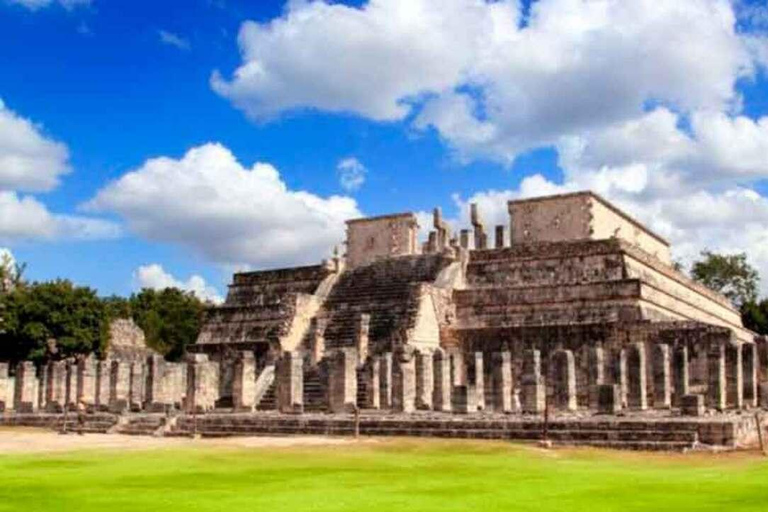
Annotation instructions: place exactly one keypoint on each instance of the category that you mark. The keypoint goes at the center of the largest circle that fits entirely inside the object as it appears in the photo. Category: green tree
(754, 316)
(170, 318)
(729, 274)
(71, 315)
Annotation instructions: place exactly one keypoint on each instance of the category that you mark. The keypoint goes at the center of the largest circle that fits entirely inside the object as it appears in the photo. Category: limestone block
(71, 385)
(289, 382)
(86, 382)
(734, 377)
(25, 394)
(441, 395)
(4, 378)
(595, 373)
(662, 378)
(404, 381)
(464, 399)
(103, 377)
(620, 377)
(501, 381)
(464, 238)
(750, 360)
(342, 380)
(499, 236)
(385, 380)
(533, 389)
(681, 375)
(637, 388)
(155, 392)
(425, 379)
(42, 387)
(563, 379)
(608, 398)
(458, 369)
(716, 377)
(362, 329)
(476, 378)
(692, 405)
(56, 382)
(119, 386)
(372, 385)
(202, 383)
(244, 383)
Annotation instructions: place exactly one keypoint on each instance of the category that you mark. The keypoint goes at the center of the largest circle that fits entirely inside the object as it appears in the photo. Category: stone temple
(570, 322)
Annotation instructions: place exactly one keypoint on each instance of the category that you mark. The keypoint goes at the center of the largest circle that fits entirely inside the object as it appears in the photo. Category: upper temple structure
(572, 307)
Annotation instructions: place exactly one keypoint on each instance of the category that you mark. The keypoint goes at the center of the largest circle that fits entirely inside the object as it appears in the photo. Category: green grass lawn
(386, 475)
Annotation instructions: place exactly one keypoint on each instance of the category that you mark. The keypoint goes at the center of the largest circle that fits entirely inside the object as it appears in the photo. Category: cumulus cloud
(234, 215)
(171, 39)
(34, 5)
(351, 173)
(29, 160)
(155, 277)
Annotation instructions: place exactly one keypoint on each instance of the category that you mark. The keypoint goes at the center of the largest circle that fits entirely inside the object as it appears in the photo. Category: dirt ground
(31, 440)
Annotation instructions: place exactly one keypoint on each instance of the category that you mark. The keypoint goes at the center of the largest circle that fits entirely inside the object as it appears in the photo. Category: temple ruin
(568, 322)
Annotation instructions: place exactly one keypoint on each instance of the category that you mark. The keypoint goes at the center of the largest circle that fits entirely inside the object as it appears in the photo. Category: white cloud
(351, 173)
(24, 218)
(34, 5)
(172, 39)
(232, 214)
(29, 161)
(155, 277)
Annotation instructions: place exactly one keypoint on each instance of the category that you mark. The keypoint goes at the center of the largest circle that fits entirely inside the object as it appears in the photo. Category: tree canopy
(729, 274)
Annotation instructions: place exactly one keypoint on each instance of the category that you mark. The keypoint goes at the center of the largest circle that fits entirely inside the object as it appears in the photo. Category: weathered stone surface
(637, 371)
(595, 373)
(502, 382)
(56, 381)
(86, 382)
(716, 383)
(608, 398)
(620, 376)
(441, 397)
(734, 377)
(137, 385)
(25, 395)
(244, 384)
(4, 378)
(533, 389)
(563, 379)
(425, 379)
(385, 380)
(692, 405)
(362, 331)
(71, 385)
(103, 389)
(464, 399)
(662, 378)
(119, 386)
(202, 383)
(289, 381)
(372, 384)
(750, 361)
(342, 375)
(681, 374)
(404, 381)
(476, 378)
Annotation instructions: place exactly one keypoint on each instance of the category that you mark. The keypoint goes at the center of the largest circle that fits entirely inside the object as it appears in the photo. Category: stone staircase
(314, 393)
(142, 425)
(98, 423)
(630, 435)
(268, 401)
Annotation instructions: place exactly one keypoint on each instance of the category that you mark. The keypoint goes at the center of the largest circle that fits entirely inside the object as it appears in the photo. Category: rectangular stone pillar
(362, 329)
(42, 388)
(464, 238)
(4, 378)
(372, 384)
(532, 385)
(662, 378)
(385, 380)
(637, 372)
(404, 381)
(595, 373)
(501, 381)
(155, 392)
(441, 395)
(86, 382)
(103, 377)
(681, 375)
(464, 399)
(716, 377)
(620, 375)
(289, 382)
(71, 385)
(56, 382)
(137, 384)
(244, 383)
(458, 369)
(425, 380)
(563, 380)
(499, 237)
(734, 377)
(608, 399)
(25, 388)
(692, 405)
(175, 383)
(476, 378)
(119, 386)
(202, 383)
(749, 359)
(342, 380)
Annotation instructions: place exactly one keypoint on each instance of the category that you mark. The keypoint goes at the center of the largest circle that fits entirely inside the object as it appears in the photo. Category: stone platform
(647, 431)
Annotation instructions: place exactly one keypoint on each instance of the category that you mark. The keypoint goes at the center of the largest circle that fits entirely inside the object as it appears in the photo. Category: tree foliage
(71, 315)
(729, 274)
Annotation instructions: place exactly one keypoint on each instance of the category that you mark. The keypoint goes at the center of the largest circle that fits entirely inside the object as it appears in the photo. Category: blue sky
(430, 108)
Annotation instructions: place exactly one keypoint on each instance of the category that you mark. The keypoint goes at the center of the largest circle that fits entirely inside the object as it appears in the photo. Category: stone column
(86, 382)
(458, 369)
(71, 385)
(464, 399)
(476, 378)
(244, 383)
(372, 384)
(441, 396)
(716, 377)
(464, 238)
(681, 378)
(155, 393)
(175, 383)
(56, 380)
(385, 380)
(342, 381)
(119, 386)
(138, 381)
(620, 375)
(531, 382)
(501, 379)
(318, 340)
(4, 378)
(42, 389)
(25, 387)
(362, 329)
(202, 383)
(289, 382)
(563, 379)
(103, 377)
(425, 380)
(749, 359)
(595, 373)
(734, 377)
(499, 237)
(637, 396)
(404, 381)
(608, 398)
(662, 379)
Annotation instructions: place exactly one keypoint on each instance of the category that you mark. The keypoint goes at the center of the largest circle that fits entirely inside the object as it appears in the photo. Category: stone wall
(375, 238)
